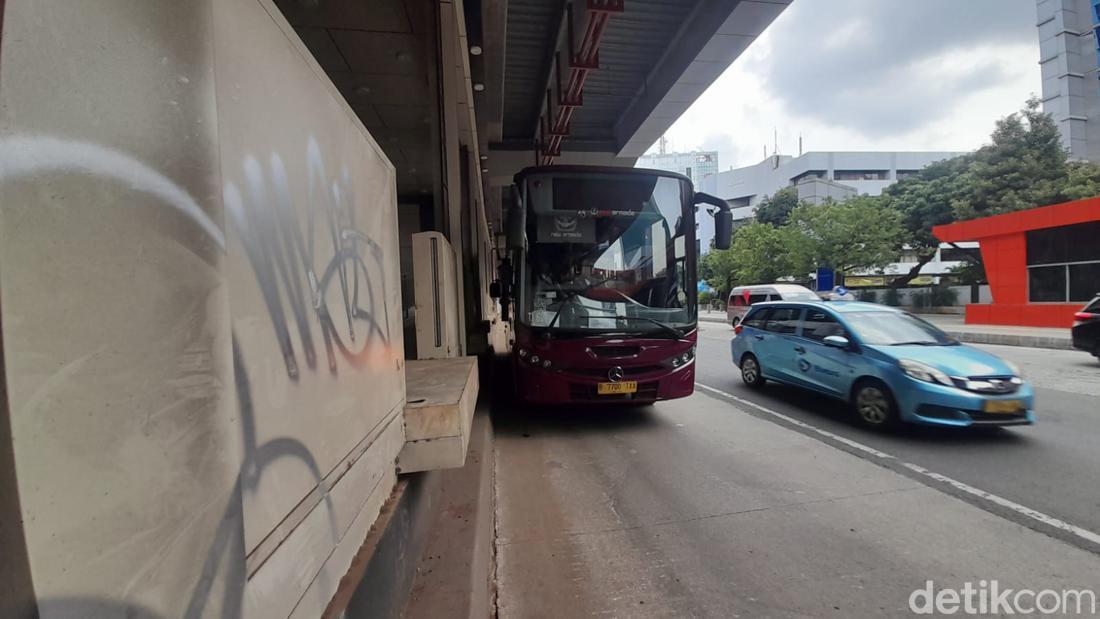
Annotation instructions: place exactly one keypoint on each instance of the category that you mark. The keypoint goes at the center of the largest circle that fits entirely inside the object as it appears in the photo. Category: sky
(869, 75)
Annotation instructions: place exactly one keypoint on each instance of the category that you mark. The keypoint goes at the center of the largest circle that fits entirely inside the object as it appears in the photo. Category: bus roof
(600, 169)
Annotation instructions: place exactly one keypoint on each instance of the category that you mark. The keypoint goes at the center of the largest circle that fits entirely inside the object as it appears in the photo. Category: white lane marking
(791, 420)
(1023, 510)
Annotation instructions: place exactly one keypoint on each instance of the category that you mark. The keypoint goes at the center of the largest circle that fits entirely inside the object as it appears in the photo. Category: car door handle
(800, 350)
(759, 337)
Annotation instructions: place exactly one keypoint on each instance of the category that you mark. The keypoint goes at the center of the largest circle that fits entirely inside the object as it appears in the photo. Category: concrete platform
(454, 574)
(440, 398)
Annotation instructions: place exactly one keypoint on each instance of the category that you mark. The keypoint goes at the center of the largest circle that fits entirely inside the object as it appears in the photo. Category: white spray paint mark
(28, 156)
(1022, 510)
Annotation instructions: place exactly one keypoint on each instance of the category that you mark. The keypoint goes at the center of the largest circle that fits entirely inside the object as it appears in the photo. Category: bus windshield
(608, 252)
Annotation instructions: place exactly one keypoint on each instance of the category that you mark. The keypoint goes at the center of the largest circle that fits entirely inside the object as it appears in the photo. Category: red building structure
(1042, 264)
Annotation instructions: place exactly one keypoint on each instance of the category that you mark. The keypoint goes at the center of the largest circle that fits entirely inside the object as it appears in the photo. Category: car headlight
(925, 372)
(1015, 368)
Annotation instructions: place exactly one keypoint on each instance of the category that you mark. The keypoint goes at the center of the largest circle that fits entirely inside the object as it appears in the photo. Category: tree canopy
(861, 233)
(776, 208)
(1023, 166)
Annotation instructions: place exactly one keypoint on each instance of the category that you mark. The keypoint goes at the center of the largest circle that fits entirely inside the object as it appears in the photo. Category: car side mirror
(836, 341)
(494, 290)
(723, 219)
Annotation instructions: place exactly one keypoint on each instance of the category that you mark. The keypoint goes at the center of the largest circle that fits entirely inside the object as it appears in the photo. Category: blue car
(888, 364)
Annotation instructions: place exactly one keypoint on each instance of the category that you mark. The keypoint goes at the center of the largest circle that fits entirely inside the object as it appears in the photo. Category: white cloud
(870, 75)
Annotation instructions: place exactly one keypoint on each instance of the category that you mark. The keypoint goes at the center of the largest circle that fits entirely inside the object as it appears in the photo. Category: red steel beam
(554, 126)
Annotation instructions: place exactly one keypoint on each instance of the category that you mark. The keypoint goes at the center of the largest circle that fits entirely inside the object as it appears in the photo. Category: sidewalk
(1031, 337)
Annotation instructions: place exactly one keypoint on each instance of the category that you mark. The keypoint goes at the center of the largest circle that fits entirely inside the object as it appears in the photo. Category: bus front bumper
(540, 386)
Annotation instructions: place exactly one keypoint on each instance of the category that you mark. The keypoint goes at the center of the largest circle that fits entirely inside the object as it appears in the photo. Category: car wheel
(874, 404)
(750, 371)
(736, 321)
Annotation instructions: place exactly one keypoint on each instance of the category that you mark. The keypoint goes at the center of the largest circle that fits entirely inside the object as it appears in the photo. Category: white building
(820, 176)
(1068, 44)
(695, 165)
(858, 173)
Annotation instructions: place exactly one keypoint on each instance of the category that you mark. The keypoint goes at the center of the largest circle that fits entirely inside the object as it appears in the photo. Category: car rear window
(1093, 307)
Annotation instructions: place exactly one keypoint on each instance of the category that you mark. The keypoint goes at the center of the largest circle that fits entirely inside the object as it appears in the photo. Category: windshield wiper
(918, 343)
(678, 334)
(566, 301)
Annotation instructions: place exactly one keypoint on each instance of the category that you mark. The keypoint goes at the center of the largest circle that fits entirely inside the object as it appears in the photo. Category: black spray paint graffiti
(284, 261)
(279, 253)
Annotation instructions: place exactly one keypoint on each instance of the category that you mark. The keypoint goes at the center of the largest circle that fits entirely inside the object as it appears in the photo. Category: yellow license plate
(1002, 406)
(629, 386)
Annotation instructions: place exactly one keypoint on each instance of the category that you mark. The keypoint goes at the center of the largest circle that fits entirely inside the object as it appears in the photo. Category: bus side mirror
(723, 219)
(723, 229)
(516, 228)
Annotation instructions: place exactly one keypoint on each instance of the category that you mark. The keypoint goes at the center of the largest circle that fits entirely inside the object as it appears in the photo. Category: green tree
(1025, 166)
(861, 233)
(776, 208)
(1082, 180)
(925, 200)
(716, 269)
(756, 256)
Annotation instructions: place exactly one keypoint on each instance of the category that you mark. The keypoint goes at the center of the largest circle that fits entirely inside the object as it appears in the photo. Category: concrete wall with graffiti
(200, 310)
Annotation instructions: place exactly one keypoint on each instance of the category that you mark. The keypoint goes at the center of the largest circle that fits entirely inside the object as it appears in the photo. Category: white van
(742, 297)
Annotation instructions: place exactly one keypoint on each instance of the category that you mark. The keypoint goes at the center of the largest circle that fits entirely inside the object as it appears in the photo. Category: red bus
(604, 266)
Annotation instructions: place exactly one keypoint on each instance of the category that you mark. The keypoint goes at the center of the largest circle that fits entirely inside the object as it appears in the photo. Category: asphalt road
(706, 507)
(1052, 466)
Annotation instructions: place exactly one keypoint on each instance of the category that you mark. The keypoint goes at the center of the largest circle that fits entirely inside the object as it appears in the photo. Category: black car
(1086, 328)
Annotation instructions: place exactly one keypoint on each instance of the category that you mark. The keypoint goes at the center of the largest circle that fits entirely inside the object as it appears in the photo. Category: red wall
(1004, 251)
(1005, 260)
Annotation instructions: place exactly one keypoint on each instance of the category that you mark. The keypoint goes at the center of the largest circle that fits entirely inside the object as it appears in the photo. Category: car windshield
(896, 329)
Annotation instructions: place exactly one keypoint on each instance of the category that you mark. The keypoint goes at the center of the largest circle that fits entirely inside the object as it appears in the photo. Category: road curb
(1009, 339)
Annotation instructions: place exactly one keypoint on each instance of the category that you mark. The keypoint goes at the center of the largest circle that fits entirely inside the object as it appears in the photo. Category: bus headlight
(535, 359)
(682, 358)
(522, 353)
(546, 364)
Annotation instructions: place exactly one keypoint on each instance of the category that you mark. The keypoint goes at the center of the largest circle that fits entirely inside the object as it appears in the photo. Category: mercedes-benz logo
(615, 374)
